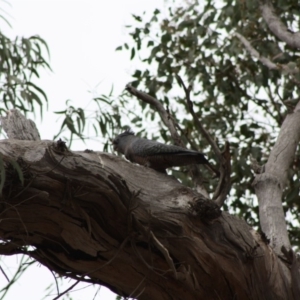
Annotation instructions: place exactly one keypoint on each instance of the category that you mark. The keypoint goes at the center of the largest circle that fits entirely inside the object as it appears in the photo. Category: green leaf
(137, 18)
(39, 39)
(38, 89)
(132, 53)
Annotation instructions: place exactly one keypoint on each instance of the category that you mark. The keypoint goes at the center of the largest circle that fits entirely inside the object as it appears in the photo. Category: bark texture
(18, 127)
(97, 218)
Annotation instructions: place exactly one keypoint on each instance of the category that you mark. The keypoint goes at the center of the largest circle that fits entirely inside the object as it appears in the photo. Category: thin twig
(23, 266)
(2, 271)
(198, 124)
(165, 252)
(67, 290)
(223, 187)
(98, 290)
(55, 279)
(165, 116)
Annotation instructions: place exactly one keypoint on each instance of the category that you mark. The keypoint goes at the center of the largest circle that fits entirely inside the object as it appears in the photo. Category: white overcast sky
(82, 36)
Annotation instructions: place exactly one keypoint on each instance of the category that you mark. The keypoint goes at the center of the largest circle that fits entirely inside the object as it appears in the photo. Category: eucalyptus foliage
(21, 59)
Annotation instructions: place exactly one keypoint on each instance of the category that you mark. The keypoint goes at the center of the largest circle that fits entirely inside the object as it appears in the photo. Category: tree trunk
(95, 217)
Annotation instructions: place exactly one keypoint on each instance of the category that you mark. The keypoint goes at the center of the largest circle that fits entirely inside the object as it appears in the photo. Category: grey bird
(153, 154)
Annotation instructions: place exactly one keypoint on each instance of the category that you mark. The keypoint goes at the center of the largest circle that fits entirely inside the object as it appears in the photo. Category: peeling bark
(95, 217)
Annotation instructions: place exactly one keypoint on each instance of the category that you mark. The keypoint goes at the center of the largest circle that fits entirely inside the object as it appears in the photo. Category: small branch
(24, 264)
(2, 271)
(277, 27)
(165, 116)
(56, 283)
(165, 253)
(290, 69)
(67, 290)
(198, 124)
(224, 158)
(18, 127)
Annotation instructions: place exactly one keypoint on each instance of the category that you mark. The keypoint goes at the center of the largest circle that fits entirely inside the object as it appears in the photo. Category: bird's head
(119, 142)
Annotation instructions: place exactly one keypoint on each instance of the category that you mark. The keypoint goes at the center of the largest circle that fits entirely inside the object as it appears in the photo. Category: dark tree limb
(66, 291)
(224, 183)
(203, 251)
(165, 116)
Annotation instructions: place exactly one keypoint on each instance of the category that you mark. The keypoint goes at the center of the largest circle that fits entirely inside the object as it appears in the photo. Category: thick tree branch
(277, 27)
(77, 212)
(269, 185)
(96, 218)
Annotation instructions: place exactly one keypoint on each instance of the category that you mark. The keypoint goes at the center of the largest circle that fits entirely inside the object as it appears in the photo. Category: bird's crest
(128, 131)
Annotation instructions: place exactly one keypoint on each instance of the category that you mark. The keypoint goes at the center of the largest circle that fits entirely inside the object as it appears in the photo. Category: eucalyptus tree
(222, 77)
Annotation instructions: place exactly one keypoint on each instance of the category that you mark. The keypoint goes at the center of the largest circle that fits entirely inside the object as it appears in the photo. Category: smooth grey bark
(277, 27)
(269, 185)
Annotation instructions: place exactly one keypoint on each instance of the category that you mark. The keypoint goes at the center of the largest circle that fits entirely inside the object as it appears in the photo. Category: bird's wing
(144, 147)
